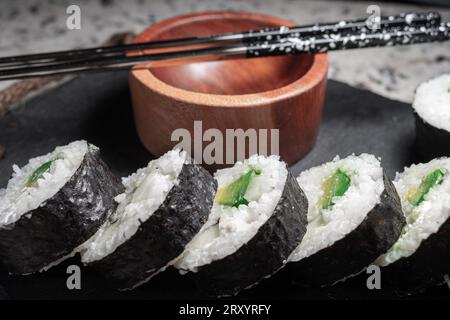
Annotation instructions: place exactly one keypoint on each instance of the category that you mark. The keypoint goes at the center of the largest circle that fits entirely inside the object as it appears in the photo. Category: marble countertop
(35, 25)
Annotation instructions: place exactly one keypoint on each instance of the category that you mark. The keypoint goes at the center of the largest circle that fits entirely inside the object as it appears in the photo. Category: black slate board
(98, 108)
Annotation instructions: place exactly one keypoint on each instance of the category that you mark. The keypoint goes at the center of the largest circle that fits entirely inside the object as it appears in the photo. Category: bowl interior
(231, 77)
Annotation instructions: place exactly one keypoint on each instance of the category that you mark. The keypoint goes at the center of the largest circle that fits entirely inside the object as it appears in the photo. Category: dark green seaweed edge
(424, 268)
(265, 254)
(64, 221)
(164, 235)
(350, 255)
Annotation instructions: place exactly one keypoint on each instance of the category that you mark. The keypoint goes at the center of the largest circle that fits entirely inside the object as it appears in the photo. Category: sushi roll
(52, 205)
(421, 256)
(163, 207)
(354, 216)
(258, 219)
(432, 116)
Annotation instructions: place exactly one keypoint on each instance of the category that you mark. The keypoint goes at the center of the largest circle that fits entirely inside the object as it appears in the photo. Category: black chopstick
(287, 46)
(333, 42)
(427, 19)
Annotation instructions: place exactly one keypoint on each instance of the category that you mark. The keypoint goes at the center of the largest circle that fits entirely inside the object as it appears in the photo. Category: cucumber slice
(417, 195)
(233, 194)
(38, 173)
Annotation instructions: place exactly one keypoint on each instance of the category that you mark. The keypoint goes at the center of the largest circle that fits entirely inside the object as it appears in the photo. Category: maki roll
(432, 114)
(52, 205)
(421, 256)
(258, 218)
(354, 216)
(163, 207)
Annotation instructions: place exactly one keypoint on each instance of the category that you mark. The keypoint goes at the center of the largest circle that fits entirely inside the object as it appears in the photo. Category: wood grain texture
(285, 93)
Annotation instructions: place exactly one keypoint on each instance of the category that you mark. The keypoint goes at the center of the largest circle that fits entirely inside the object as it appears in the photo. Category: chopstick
(427, 19)
(288, 46)
(284, 46)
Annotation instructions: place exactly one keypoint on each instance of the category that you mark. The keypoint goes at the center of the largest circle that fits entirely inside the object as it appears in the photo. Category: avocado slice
(334, 186)
(417, 195)
(233, 194)
(39, 172)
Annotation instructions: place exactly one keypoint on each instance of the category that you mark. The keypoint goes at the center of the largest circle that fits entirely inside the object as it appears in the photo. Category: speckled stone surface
(34, 25)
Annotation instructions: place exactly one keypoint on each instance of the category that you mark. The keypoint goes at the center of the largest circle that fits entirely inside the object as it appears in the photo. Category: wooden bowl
(284, 93)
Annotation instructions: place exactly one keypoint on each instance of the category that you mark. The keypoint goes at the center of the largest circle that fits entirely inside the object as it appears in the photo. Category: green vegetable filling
(233, 194)
(39, 172)
(416, 195)
(334, 186)
(448, 90)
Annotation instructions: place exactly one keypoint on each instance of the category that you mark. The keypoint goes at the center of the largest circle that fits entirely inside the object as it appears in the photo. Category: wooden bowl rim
(309, 80)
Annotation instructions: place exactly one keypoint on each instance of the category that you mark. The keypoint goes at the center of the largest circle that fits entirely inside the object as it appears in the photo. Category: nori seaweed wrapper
(266, 253)
(64, 221)
(431, 142)
(350, 255)
(425, 267)
(164, 235)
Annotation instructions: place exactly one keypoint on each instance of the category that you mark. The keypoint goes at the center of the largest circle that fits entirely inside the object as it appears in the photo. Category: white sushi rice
(326, 226)
(18, 199)
(145, 191)
(432, 102)
(426, 218)
(229, 228)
